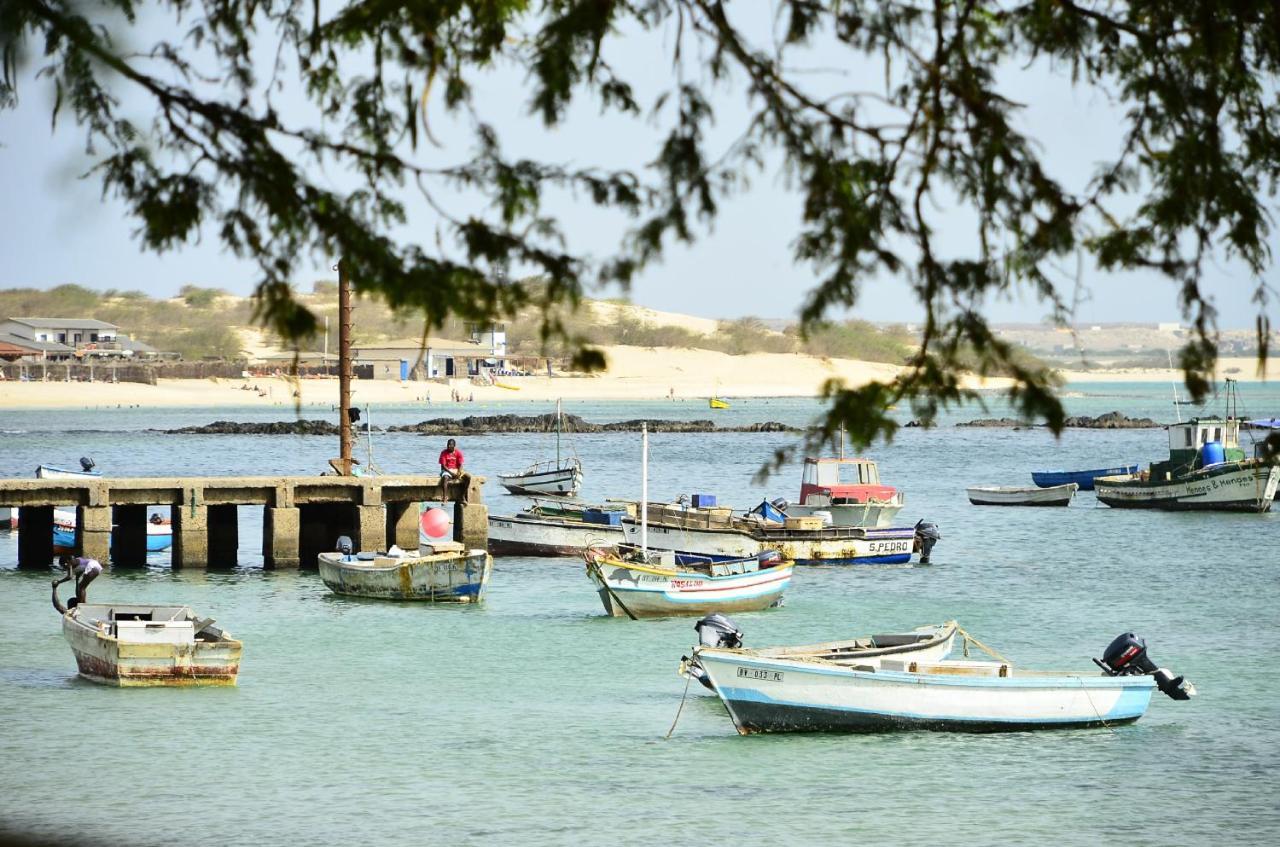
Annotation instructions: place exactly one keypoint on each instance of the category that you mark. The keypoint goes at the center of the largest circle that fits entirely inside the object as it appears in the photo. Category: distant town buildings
(64, 339)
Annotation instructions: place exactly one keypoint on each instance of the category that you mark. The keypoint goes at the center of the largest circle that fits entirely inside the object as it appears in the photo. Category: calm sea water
(535, 720)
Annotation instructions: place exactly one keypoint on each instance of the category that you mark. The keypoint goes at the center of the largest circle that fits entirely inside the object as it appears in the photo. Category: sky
(56, 227)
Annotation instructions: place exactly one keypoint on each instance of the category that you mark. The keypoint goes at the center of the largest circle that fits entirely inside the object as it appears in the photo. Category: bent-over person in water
(81, 569)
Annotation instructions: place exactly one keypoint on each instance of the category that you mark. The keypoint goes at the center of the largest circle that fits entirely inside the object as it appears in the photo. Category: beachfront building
(17, 348)
(80, 334)
(484, 356)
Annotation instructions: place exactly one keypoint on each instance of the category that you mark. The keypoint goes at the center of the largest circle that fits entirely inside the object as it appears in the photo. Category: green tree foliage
(879, 170)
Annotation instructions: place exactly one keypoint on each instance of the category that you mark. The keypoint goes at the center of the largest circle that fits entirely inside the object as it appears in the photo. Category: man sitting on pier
(451, 467)
(81, 569)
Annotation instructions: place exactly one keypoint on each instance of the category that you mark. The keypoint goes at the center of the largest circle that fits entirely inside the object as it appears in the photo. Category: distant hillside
(205, 322)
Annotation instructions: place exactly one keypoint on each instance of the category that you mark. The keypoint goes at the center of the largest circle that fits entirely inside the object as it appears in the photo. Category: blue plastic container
(1212, 453)
(600, 516)
(704, 501)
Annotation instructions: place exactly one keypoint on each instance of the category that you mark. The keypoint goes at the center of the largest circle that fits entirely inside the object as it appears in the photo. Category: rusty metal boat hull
(173, 656)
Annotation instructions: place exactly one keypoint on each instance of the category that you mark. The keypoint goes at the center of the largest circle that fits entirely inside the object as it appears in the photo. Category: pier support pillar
(224, 535)
(372, 528)
(93, 532)
(129, 537)
(402, 525)
(190, 535)
(280, 532)
(35, 536)
(471, 525)
(321, 525)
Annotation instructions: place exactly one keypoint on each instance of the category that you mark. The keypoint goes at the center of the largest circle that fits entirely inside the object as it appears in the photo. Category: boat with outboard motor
(923, 644)
(1206, 471)
(55, 472)
(159, 532)
(442, 572)
(696, 534)
(766, 693)
(136, 645)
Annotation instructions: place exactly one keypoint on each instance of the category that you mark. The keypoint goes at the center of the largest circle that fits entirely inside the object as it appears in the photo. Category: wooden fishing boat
(526, 534)
(159, 535)
(1206, 471)
(653, 586)
(563, 477)
(924, 644)
(144, 645)
(1083, 479)
(790, 693)
(444, 572)
(1014, 495)
(55, 472)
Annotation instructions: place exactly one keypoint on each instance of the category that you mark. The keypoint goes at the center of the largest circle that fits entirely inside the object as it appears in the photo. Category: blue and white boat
(56, 472)
(766, 693)
(159, 535)
(650, 585)
(1084, 479)
(445, 572)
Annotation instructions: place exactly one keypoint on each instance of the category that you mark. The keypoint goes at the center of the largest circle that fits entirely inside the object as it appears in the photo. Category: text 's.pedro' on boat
(442, 572)
(770, 691)
(132, 645)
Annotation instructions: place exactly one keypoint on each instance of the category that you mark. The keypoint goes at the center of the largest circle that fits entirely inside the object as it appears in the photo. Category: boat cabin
(1199, 443)
(835, 481)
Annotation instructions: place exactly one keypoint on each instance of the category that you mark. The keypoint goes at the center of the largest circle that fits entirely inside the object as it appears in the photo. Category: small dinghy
(923, 644)
(562, 478)
(810, 694)
(55, 472)
(1013, 495)
(633, 584)
(1084, 479)
(141, 645)
(444, 572)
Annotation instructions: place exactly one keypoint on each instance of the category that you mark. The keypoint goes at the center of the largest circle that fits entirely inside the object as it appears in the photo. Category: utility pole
(344, 365)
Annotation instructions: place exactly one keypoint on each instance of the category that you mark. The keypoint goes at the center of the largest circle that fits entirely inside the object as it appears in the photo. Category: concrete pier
(302, 516)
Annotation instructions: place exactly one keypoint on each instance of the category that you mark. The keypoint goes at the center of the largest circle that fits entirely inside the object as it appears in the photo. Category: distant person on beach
(83, 571)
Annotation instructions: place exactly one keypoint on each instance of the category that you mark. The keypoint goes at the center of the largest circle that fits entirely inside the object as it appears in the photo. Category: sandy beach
(634, 373)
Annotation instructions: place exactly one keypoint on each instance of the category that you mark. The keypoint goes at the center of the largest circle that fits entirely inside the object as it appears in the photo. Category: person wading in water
(83, 571)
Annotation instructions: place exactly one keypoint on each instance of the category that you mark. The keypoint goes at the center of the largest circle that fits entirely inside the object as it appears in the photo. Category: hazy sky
(56, 228)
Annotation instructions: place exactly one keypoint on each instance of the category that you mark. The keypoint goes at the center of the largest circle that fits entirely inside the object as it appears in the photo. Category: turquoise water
(534, 719)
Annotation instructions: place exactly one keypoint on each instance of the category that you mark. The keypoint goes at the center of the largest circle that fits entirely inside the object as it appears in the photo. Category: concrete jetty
(302, 515)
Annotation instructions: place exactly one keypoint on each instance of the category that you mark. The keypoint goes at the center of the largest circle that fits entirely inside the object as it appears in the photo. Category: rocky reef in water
(1107, 420)
(480, 425)
(477, 425)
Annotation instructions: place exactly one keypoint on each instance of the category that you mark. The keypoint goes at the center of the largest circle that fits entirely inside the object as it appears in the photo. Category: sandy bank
(634, 373)
(1244, 369)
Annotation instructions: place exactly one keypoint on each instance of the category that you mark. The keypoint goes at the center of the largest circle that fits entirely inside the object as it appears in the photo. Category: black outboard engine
(1127, 656)
(927, 535)
(715, 630)
(86, 464)
(344, 545)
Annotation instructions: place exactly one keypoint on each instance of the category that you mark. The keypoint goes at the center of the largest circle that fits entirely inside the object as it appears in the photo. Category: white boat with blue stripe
(634, 585)
(778, 694)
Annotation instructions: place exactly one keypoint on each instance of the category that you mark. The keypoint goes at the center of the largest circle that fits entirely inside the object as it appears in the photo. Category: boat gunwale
(945, 631)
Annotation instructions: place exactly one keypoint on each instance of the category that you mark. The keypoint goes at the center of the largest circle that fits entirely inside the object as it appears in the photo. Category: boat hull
(562, 482)
(521, 535)
(789, 696)
(159, 536)
(1055, 496)
(54, 472)
(831, 546)
(648, 592)
(1084, 479)
(869, 514)
(1249, 488)
(437, 578)
(107, 660)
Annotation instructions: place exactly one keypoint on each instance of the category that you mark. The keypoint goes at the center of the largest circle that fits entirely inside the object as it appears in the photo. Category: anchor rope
(969, 639)
(688, 678)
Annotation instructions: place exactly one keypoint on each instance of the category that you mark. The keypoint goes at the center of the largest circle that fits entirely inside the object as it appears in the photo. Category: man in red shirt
(451, 460)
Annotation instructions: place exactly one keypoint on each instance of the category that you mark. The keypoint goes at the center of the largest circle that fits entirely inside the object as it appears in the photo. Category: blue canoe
(1084, 479)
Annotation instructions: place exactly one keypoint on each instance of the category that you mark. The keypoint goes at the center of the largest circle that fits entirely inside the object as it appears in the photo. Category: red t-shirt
(451, 459)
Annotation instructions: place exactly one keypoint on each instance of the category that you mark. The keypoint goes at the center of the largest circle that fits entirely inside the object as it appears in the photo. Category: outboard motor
(927, 535)
(1127, 656)
(86, 464)
(715, 630)
(344, 545)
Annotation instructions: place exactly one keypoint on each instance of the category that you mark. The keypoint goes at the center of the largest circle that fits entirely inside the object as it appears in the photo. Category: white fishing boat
(654, 586)
(924, 644)
(144, 645)
(1014, 495)
(444, 572)
(846, 492)
(530, 534)
(699, 535)
(563, 477)
(808, 694)
(159, 532)
(56, 472)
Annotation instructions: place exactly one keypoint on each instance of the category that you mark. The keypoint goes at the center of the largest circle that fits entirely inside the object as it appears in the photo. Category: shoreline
(634, 374)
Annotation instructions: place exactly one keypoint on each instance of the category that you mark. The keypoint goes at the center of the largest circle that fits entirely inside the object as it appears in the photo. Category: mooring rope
(969, 639)
(688, 678)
